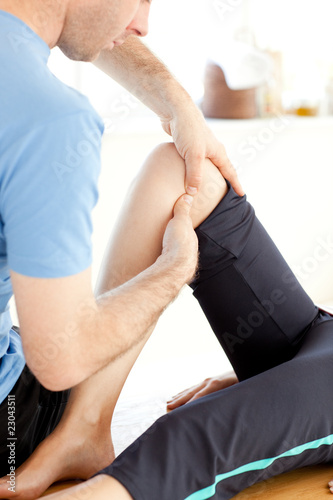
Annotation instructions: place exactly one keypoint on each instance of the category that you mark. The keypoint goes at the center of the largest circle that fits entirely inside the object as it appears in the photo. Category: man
(50, 145)
(279, 416)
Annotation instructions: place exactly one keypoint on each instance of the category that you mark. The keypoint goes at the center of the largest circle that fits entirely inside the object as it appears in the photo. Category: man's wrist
(180, 111)
(176, 100)
(177, 271)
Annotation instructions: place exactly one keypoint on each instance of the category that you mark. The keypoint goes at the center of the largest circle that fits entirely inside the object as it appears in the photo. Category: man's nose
(139, 24)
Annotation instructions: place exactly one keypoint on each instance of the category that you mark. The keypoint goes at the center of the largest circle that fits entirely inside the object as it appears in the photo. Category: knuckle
(196, 154)
(214, 384)
(196, 177)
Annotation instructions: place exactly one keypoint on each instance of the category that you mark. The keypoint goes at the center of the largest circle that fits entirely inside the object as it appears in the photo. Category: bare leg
(81, 444)
(99, 488)
(137, 239)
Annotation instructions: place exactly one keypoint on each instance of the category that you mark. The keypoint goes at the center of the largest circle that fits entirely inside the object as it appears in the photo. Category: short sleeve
(47, 196)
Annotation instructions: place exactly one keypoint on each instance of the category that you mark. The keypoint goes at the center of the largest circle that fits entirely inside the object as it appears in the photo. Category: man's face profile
(91, 26)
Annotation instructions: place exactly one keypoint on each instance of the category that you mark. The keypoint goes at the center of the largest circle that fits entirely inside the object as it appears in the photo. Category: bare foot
(65, 454)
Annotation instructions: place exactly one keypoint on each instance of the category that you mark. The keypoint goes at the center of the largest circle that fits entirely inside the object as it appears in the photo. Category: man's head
(93, 25)
(82, 28)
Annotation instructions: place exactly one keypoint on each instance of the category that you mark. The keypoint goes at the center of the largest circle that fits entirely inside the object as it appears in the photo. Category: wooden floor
(309, 483)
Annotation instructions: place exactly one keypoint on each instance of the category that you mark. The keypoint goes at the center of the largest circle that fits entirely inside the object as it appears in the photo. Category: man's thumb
(183, 204)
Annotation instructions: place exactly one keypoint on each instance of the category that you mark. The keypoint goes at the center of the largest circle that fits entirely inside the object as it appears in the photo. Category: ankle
(88, 417)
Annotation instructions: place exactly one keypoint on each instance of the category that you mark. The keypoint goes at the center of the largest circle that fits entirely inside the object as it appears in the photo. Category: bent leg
(262, 317)
(222, 248)
(229, 440)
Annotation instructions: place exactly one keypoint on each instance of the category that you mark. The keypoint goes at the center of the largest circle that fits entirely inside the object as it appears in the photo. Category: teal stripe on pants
(209, 492)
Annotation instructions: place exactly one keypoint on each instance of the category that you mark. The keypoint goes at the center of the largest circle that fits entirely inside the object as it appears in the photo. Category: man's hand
(145, 76)
(195, 141)
(208, 386)
(180, 243)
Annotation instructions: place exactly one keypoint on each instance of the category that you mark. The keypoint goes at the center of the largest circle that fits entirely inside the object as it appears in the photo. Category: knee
(160, 181)
(165, 171)
(165, 168)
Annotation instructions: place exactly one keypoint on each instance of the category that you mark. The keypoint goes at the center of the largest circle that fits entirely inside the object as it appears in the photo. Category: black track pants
(280, 416)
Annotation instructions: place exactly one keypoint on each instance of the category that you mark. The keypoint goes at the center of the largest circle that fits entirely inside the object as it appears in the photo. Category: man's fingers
(195, 166)
(183, 205)
(194, 171)
(231, 175)
(200, 394)
(175, 403)
(184, 396)
(180, 242)
(189, 395)
(181, 400)
(222, 162)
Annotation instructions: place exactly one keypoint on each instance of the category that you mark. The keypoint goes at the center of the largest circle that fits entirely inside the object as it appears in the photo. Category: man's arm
(145, 76)
(138, 70)
(68, 335)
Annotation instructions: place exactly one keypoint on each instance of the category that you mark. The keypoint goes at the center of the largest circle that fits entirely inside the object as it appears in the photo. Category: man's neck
(46, 18)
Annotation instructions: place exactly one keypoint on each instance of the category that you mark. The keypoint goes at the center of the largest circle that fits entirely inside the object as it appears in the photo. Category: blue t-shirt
(50, 139)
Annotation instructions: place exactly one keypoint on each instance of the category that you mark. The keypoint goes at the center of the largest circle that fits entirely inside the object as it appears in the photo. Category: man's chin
(76, 55)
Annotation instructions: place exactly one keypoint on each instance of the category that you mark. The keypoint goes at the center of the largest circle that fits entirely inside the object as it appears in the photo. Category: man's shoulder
(51, 99)
(56, 101)
(30, 96)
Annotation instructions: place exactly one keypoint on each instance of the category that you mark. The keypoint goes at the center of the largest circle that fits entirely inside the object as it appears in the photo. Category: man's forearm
(127, 312)
(117, 320)
(102, 329)
(138, 70)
